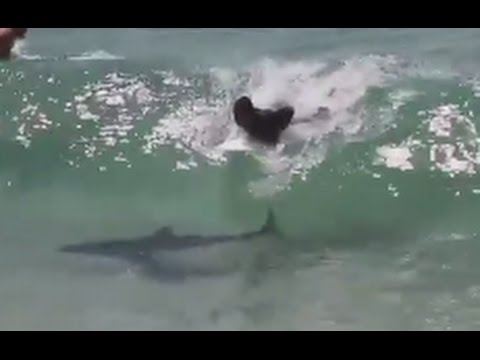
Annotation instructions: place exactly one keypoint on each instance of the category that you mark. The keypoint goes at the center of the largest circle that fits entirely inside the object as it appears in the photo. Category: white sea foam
(451, 143)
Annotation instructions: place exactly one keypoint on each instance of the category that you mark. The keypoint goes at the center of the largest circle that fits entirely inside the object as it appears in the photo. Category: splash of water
(206, 127)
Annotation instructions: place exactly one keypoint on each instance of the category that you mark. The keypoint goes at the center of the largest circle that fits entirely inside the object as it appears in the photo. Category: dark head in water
(262, 125)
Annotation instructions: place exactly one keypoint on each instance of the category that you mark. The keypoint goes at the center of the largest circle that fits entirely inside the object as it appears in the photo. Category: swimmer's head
(242, 111)
(243, 106)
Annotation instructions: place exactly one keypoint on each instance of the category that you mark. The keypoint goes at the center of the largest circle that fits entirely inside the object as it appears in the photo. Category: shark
(166, 255)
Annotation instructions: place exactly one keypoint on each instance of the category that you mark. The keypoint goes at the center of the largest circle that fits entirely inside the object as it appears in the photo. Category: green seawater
(115, 133)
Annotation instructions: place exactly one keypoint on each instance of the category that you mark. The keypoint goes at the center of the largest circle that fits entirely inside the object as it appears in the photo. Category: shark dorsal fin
(270, 225)
(166, 230)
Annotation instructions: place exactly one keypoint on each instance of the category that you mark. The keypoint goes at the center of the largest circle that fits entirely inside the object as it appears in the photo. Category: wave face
(114, 133)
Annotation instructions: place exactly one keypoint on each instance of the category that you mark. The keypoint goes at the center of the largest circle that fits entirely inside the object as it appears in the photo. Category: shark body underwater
(165, 255)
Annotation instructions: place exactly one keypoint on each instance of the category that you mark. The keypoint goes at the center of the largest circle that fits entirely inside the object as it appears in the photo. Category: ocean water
(115, 133)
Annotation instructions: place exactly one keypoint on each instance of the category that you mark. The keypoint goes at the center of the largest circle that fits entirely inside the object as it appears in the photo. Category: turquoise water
(109, 133)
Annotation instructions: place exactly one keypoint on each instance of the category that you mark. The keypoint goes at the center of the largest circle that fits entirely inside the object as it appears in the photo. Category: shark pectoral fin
(154, 270)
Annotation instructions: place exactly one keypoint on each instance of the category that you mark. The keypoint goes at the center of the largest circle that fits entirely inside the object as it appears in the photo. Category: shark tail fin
(270, 226)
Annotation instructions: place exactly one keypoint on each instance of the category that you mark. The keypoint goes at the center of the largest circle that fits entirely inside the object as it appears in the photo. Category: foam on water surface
(395, 157)
(450, 141)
